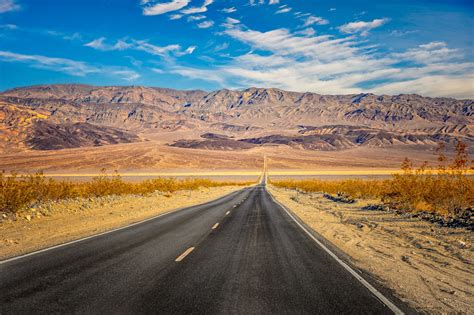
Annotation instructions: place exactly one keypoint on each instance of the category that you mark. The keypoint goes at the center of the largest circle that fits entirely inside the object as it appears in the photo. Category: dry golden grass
(19, 192)
(446, 190)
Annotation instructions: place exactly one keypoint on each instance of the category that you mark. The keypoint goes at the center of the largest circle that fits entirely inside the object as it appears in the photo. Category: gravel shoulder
(427, 266)
(55, 223)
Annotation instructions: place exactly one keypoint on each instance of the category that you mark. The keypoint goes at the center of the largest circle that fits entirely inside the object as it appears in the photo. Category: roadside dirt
(427, 266)
(55, 223)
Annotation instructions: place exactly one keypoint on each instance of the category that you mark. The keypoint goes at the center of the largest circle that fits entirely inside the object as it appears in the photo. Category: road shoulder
(425, 265)
(68, 220)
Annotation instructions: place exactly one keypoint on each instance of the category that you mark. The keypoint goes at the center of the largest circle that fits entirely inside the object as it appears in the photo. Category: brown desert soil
(153, 156)
(427, 266)
(56, 223)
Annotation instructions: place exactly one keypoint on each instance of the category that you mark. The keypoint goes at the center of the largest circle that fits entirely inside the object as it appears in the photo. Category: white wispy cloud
(260, 2)
(68, 66)
(362, 27)
(300, 14)
(311, 20)
(195, 18)
(8, 5)
(72, 67)
(152, 8)
(175, 16)
(163, 51)
(232, 21)
(399, 33)
(194, 73)
(72, 37)
(329, 65)
(229, 10)
(221, 47)
(141, 45)
(187, 51)
(307, 32)
(205, 24)
(200, 9)
(281, 41)
(100, 44)
(283, 9)
(433, 52)
(460, 86)
(9, 27)
(128, 75)
(76, 36)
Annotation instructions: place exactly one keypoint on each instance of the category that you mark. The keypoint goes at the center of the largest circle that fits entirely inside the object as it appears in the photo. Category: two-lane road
(239, 254)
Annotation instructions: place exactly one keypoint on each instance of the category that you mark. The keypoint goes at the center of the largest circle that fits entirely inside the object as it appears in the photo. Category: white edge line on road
(215, 226)
(374, 291)
(106, 232)
(183, 255)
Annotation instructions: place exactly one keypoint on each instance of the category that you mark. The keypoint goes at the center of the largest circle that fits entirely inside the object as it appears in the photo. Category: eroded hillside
(51, 117)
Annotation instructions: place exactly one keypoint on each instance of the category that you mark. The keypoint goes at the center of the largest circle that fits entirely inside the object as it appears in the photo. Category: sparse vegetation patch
(446, 190)
(20, 191)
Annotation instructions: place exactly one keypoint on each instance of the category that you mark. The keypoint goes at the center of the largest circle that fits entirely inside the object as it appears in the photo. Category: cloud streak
(200, 9)
(312, 20)
(205, 24)
(68, 66)
(152, 8)
(229, 10)
(100, 44)
(361, 27)
(8, 5)
(283, 9)
(325, 64)
(141, 45)
(298, 57)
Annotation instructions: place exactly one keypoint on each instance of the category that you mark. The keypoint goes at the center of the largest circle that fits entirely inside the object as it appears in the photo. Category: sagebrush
(20, 191)
(446, 189)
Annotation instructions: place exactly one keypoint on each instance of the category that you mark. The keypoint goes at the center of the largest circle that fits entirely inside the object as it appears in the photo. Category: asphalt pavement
(242, 253)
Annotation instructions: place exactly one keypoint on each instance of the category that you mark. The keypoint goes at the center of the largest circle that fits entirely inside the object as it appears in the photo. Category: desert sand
(427, 266)
(153, 157)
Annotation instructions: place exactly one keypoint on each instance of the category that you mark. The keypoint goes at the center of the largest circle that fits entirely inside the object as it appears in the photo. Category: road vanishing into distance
(242, 253)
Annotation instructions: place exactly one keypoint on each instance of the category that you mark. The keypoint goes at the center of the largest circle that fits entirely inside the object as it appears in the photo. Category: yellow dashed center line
(215, 226)
(183, 255)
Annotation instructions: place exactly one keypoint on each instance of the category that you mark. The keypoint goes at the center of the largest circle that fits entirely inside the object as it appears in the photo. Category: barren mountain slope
(267, 106)
(255, 117)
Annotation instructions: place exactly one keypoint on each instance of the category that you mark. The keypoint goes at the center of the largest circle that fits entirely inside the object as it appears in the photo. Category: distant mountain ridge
(269, 116)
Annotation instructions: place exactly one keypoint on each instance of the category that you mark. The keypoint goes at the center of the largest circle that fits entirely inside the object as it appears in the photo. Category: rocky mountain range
(52, 117)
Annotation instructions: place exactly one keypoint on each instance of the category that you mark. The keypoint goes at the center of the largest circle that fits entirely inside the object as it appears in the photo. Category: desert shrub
(354, 188)
(20, 191)
(446, 189)
(104, 185)
(12, 194)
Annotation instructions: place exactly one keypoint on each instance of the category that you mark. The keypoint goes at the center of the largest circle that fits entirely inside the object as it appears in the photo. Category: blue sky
(328, 47)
